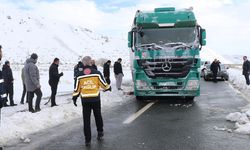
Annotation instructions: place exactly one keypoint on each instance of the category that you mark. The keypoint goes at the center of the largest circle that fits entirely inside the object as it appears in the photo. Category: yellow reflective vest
(88, 83)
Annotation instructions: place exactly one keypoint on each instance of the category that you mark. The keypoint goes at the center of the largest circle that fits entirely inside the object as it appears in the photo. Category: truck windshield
(164, 36)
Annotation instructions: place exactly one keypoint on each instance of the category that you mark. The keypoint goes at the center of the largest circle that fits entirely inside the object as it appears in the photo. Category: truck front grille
(174, 68)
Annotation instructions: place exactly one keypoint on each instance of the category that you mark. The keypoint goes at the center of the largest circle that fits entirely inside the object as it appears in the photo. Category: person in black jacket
(118, 73)
(8, 82)
(106, 71)
(215, 67)
(24, 87)
(78, 68)
(54, 77)
(3, 98)
(93, 64)
(246, 69)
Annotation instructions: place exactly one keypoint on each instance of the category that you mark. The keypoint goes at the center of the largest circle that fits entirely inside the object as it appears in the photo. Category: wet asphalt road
(164, 126)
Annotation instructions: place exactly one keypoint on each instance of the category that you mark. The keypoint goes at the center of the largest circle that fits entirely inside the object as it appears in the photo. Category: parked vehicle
(203, 67)
(164, 48)
(222, 74)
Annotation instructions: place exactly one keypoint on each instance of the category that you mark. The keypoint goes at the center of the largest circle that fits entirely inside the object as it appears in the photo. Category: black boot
(12, 103)
(100, 136)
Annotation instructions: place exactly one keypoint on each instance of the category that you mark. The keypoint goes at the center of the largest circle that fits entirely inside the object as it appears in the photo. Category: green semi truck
(164, 53)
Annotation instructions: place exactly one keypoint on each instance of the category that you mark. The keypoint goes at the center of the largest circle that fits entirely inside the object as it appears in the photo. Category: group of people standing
(31, 83)
(88, 81)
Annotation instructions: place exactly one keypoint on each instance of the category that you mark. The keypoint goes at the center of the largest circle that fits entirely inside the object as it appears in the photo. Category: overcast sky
(227, 21)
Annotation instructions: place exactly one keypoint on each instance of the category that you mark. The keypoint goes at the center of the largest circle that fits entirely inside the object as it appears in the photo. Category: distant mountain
(235, 59)
(22, 33)
(208, 54)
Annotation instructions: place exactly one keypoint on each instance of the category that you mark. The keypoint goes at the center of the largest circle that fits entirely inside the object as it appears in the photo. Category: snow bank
(238, 81)
(241, 119)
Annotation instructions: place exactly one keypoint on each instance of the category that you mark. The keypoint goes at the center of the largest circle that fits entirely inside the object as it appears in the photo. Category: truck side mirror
(130, 39)
(203, 37)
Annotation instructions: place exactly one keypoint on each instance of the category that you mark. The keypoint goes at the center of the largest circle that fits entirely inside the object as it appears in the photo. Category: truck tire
(205, 78)
(139, 98)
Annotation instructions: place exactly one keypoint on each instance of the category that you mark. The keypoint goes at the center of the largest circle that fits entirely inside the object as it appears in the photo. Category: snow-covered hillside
(23, 33)
(208, 54)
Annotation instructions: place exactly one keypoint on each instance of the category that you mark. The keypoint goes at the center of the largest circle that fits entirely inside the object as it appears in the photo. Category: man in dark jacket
(93, 64)
(88, 84)
(8, 81)
(118, 73)
(54, 77)
(215, 67)
(3, 96)
(24, 87)
(246, 69)
(106, 71)
(32, 82)
(77, 70)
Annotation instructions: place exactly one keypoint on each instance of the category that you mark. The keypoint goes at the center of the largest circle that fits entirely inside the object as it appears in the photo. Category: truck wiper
(151, 46)
(177, 45)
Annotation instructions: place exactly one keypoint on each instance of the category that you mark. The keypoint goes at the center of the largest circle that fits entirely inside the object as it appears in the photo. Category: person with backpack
(54, 77)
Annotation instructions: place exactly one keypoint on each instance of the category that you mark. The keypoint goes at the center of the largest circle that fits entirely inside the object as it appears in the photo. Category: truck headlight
(192, 85)
(141, 85)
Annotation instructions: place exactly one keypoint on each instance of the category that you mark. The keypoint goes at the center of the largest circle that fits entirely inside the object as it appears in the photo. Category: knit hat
(86, 60)
(34, 56)
(6, 62)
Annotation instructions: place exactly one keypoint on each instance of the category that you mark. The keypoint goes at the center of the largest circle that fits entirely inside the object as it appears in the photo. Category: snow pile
(242, 122)
(241, 119)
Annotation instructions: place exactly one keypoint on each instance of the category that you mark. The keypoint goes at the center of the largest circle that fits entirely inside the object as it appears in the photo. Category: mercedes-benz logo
(166, 66)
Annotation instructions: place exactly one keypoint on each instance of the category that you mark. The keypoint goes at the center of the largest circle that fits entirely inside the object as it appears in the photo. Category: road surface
(161, 125)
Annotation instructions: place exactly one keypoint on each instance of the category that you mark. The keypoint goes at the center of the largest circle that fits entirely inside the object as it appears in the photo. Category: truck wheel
(139, 98)
(189, 99)
(205, 78)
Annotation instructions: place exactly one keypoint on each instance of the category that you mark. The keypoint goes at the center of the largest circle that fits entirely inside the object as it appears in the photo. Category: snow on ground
(17, 124)
(241, 119)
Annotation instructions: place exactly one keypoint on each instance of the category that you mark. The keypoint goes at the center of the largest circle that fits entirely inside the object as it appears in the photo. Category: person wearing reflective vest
(88, 87)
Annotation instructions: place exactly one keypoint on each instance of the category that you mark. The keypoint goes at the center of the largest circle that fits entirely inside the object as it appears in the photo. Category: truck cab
(164, 53)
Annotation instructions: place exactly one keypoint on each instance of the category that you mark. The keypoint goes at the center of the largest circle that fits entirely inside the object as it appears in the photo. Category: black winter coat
(2, 91)
(117, 68)
(106, 70)
(246, 67)
(215, 67)
(78, 69)
(54, 76)
(7, 75)
(94, 66)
